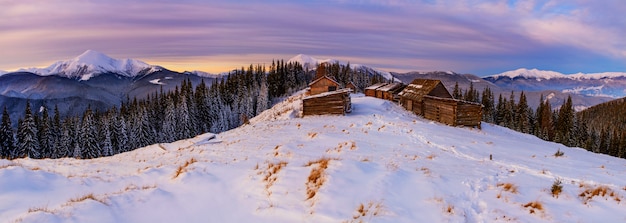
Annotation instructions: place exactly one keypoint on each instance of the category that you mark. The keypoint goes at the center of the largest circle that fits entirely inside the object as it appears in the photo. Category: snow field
(378, 164)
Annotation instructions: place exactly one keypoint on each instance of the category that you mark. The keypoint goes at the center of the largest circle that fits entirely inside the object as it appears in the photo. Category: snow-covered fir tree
(27, 136)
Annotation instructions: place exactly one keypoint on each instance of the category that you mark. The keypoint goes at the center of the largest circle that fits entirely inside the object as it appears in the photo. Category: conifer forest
(164, 116)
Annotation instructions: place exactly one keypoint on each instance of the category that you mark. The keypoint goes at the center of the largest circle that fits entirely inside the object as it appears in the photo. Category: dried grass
(533, 206)
(508, 187)
(557, 188)
(368, 210)
(600, 191)
(89, 196)
(317, 177)
(183, 168)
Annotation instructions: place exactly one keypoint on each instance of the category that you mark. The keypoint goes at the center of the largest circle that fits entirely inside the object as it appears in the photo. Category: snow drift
(378, 164)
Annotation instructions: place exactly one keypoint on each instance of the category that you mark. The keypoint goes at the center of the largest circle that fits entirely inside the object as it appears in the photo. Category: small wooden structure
(328, 103)
(389, 91)
(452, 111)
(411, 98)
(353, 87)
(323, 84)
(371, 90)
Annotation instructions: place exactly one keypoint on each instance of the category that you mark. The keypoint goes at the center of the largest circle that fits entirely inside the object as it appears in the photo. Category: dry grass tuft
(353, 145)
(183, 168)
(272, 170)
(450, 209)
(89, 196)
(509, 187)
(559, 153)
(431, 156)
(600, 191)
(40, 209)
(533, 206)
(317, 177)
(557, 188)
(312, 135)
(371, 209)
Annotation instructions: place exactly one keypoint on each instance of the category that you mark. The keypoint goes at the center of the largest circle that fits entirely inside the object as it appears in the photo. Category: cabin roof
(419, 88)
(390, 87)
(327, 77)
(340, 91)
(375, 86)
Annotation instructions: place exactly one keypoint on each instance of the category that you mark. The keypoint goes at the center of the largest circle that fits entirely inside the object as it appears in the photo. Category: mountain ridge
(547, 74)
(91, 63)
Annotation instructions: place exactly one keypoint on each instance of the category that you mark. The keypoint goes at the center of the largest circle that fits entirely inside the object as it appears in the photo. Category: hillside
(377, 164)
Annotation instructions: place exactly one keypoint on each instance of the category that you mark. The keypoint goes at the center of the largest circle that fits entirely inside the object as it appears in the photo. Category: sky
(481, 37)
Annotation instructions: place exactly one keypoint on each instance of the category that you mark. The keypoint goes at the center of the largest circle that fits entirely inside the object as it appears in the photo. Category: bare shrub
(559, 153)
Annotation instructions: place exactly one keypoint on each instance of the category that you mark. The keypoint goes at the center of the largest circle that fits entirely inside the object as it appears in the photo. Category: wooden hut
(323, 84)
(328, 103)
(389, 91)
(452, 111)
(412, 96)
(353, 87)
(371, 90)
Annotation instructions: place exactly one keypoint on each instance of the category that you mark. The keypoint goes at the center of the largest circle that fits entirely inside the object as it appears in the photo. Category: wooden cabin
(328, 103)
(411, 98)
(353, 87)
(371, 90)
(389, 91)
(452, 111)
(323, 84)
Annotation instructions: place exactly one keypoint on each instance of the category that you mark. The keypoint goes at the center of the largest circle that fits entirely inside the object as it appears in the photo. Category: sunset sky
(482, 37)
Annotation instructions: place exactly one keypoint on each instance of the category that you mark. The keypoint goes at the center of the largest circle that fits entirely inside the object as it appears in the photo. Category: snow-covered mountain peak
(93, 57)
(532, 73)
(547, 75)
(309, 62)
(91, 63)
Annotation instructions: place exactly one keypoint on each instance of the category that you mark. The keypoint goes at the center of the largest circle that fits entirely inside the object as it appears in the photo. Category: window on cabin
(332, 88)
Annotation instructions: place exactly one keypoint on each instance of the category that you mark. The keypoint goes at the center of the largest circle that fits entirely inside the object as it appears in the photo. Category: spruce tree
(168, 130)
(46, 137)
(27, 136)
(7, 137)
(88, 136)
(523, 114)
(107, 147)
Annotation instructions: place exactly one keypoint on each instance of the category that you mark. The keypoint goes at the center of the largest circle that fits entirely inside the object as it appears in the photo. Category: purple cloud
(470, 36)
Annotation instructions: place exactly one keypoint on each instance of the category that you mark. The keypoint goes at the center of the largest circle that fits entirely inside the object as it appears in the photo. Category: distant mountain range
(586, 89)
(610, 84)
(91, 79)
(97, 80)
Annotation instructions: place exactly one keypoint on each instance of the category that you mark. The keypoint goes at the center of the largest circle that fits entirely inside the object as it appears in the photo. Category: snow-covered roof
(375, 86)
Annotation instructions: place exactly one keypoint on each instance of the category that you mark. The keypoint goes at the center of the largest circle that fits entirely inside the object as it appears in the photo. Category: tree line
(162, 117)
(562, 125)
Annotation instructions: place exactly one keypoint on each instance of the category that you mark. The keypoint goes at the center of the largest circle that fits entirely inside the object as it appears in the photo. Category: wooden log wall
(337, 103)
(452, 112)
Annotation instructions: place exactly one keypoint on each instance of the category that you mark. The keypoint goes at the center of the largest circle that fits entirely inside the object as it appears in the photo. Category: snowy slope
(547, 75)
(310, 63)
(91, 63)
(377, 164)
